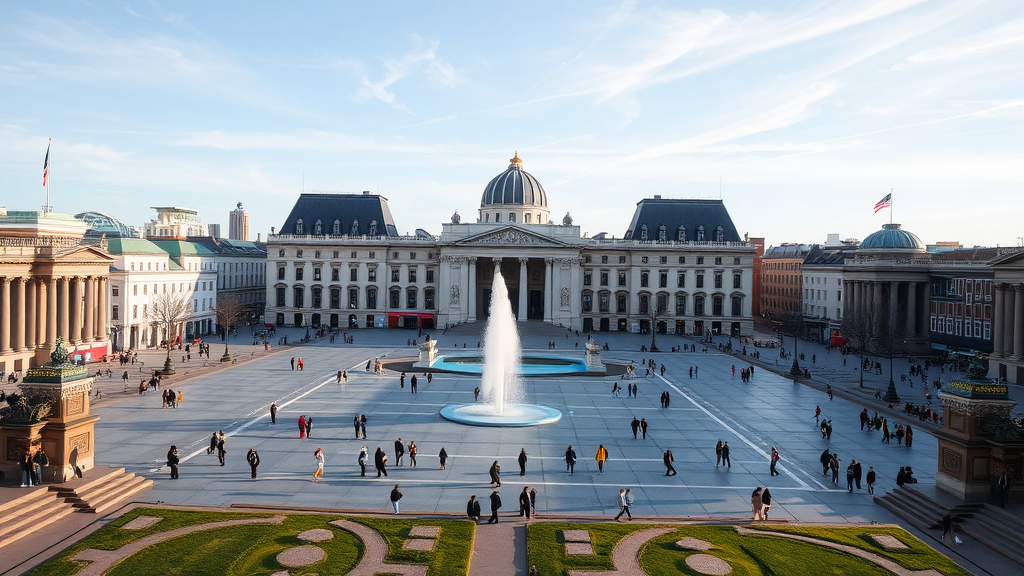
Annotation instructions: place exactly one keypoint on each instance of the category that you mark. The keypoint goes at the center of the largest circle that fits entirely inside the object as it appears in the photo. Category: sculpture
(456, 219)
(60, 353)
(565, 296)
(567, 220)
(23, 409)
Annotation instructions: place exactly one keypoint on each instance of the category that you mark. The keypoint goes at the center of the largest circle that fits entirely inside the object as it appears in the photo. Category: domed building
(680, 268)
(891, 239)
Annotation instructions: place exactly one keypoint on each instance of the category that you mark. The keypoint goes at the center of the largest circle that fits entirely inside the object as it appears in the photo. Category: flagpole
(48, 208)
(890, 205)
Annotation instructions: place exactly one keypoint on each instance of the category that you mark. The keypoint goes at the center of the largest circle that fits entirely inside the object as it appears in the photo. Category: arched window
(588, 302)
(318, 228)
(428, 299)
(662, 303)
(355, 228)
(371, 298)
(395, 297)
(317, 297)
(645, 303)
(411, 298)
(643, 232)
(526, 218)
(681, 234)
(511, 216)
(716, 306)
(373, 228)
(353, 298)
(700, 233)
(737, 306)
(662, 233)
(698, 305)
(680, 304)
(298, 226)
(497, 216)
(337, 227)
(719, 234)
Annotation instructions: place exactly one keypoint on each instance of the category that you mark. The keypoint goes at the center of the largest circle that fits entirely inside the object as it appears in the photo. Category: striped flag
(884, 202)
(46, 164)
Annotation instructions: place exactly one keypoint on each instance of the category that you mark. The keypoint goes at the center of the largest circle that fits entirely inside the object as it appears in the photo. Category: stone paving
(375, 548)
(626, 554)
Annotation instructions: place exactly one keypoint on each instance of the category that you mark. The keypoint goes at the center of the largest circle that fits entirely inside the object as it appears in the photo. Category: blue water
(531, 364)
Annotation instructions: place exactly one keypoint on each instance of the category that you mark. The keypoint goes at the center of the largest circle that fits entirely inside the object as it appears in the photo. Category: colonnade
(880, 301)
(35, 310)
(1008, 321)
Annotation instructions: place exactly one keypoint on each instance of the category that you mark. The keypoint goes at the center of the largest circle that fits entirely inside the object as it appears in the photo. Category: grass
(748, 555)
(253, 548)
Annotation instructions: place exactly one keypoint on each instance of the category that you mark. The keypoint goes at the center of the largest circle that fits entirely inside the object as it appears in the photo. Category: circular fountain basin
(531, 364)
(513, 416)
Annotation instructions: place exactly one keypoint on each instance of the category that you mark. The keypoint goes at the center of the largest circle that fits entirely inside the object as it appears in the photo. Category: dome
(514, 186)
(892, 239)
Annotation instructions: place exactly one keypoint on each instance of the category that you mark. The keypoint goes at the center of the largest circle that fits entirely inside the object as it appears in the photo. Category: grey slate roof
(828, 255)
(358, 210)
(673, 213)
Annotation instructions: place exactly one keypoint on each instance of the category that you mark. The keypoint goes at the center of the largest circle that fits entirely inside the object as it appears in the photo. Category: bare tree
(886, 337)
(655, 312)
(229, 310)
(859, 328)
(169, 310)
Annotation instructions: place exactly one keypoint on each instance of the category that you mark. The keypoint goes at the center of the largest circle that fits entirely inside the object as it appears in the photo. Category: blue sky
(801, 114)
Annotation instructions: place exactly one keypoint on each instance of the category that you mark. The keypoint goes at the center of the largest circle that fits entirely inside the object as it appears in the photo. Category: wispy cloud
(421, 58)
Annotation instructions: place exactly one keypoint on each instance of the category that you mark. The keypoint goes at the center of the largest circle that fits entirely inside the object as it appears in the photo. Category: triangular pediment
(77, 253)
(510, 236)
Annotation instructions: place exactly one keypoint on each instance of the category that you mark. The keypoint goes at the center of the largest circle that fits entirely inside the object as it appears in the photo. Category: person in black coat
(669, 459)
(725, 455)
(871, 479)
(213, 444)
(524, 502)
(570, 460)
(495, 473)
(857, 472)
(522, 462)
(635, 427)
(495, 505)
(355, 425)
(172, 461)
(379, 461)
(473, 509)
(443, 456)
(399, 452)
(412, 384)
(253, 458)
(825, 459)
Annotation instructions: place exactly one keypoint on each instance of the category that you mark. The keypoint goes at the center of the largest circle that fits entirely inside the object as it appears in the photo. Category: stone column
(5, 315)
(101, 330)
(90, 308)
(998, 314)
(575, 306)
(30, 314)
(547, 288)
(18, 336)
(51, 312)
(75, 307)
(912, 308)
(1018, 323)
(464, 288)
(471, 290)
(63, 311)
(1008, 315)
(894, 301)
(524, 296)
(876, 295)
(42, 310)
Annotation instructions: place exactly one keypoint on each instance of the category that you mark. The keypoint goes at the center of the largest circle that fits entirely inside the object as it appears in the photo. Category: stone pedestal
(15, 439)
(593, 357)
(428, 352)
(973, 446)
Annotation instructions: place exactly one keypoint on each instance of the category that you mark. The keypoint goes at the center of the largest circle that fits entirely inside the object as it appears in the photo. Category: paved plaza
(752, 417)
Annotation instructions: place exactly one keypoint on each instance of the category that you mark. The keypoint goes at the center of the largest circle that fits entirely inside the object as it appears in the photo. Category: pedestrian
(172, 461)
(380, 460)
(363, 457)
(857, 472)
(319, 456)
(412, 383)
(221, 451)
(570, 460)
(355, 425)
(601, 457)
(766, 503)
(718, 454)
(309, 427)
(476, 394)
(399, 452)
(909, 436)
(396, 495)
(828, 390)
(473, 509)
(669, 459)
(339, 376)
(849, 475)
(253, 458)
(817, 413)
(1003, 482)
(344, 376)
(39, 462)
(886, 436)
(401, 381)
(522, 462)
(756, 503)
(299, 362)
(825, 459)
(668, 399)
(833, 465)
(273, 413)
(623, 508)
(871, 479)
(533, 501)
(643, 427)
(725, 455)
(430, 377)
(213, 444)
(947, 529)
(302, 427)
(828, 430)
(176, 400)
(495, 506)
(362, 425)
(775, 460)
(413, 449)
(443, 456)
(495, 474)
(634, 426)
(524, 502)
(293, 362)
(899, 434)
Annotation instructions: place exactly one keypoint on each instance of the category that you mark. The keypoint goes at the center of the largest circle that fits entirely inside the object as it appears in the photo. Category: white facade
(174, 222)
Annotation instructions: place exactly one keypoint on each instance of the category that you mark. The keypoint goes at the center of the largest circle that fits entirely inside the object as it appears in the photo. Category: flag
(46, 164)
(884, 202)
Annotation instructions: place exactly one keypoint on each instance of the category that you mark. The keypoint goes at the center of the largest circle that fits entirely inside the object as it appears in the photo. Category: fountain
(500, 382)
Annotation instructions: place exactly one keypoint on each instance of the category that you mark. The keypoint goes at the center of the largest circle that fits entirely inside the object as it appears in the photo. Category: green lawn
(252, 549)
(748, 555)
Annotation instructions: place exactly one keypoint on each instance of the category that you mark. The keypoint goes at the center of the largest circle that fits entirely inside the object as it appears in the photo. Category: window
(135, 290)
(622, 278)
(412, 275)
(718, 260)
(645, 303)
(353, 298)
(394, 255)
(698, 305)
(588, 302)
(662, 303)
(643, 232)
(428, 299)
(395, 274)
(135, 312)
(680, 304)
(315, 255)
(298, 226)
(317, 296)
(682, 259)
(663, 279)
(700, 233)
(336, 230)
(412, 255)
(663, 259)
(371, 274)
(335, 275)
(681, 280)
(430, 277)
(644, 278)
(620, 303)
(395, 296)
(299, 296)
(335, 298)
(604, 302)
(298, 273)
(298, 253)
(737, 306)
(604, 259)
(354, 230)
(318, 228)
(511, 216)
(716, 306)
(526, 218)
(280, 253)
(587, 277)
(371, 298)
(700, 279)
(622, 259)
(353, 274)
(497, 217)
(604, 278)
(681, 234)
(718, 279)
(373, 228)
(662, 233)
(643, 259)
(736, 261)
(316, 274)
(280, 296)
(700, 260)
(336, 254)
(737, 280)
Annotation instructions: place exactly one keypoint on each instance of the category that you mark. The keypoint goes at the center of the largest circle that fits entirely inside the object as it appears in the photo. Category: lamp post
(890, 393)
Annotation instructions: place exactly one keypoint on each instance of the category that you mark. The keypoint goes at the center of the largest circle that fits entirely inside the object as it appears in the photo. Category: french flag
(46, 164)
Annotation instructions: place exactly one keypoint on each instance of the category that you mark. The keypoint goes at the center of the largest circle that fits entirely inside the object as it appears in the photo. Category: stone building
(782, 280)
(339, 261)
(1007, 360)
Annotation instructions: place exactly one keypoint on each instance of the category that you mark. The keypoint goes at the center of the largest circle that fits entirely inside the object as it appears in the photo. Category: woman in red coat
(302, 427)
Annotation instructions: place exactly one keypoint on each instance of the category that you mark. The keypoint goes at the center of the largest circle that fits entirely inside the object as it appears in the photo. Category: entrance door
(588, 324)
(621, 325)
(605, 324)
(536, 310)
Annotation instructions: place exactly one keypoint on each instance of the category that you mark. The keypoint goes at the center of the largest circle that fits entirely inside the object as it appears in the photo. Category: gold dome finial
(516, 159)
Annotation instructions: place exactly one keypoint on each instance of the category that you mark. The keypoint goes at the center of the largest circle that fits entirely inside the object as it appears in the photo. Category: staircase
(103, 489)
(25, 514)
(993, 527)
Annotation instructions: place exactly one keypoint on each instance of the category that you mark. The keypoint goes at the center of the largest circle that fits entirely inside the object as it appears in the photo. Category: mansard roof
(690, 214)
(349, 210)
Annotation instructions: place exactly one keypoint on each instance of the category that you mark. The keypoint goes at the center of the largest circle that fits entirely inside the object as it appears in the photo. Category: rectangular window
(394, 256)
(663, 260)
(412, 255)
(135, 290)
(737, 280)
(316, 254)
(335, 298)
(663, 279)
(643, 259)
(113, 291)
(718, 260)
(430, 278)
(299, 296)
(718, 279)
(587, 277)
(353, 274)
(395, 276)
(412, 276)
(604, 302)
(372, 274)
(644, 278)
(280, 296)
(622, 259)
(620, 303)
(681, 280)
(316, 274)
(135, 312)
(700, 279)
(700, 259)
(114, 313)
(736, 261)
(298, 253)
(604, 259)
(335, 274)
(604, 278)
(336, 253)
(622, 278)
(682, 259)
(298, 273)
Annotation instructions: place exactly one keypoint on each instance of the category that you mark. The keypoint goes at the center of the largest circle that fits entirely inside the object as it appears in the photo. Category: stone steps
(998, 530)
(102, 492)
(25, 514)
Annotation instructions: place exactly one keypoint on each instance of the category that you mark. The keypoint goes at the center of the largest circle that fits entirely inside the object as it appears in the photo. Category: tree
(169, 310)
(655, 311)
(229, 310)
(859, 327)
(886, 337)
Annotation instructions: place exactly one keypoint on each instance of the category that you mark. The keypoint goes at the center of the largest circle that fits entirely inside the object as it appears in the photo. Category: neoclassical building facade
(680, 267)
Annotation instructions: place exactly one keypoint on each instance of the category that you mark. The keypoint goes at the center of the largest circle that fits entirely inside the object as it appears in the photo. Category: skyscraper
(238, 224)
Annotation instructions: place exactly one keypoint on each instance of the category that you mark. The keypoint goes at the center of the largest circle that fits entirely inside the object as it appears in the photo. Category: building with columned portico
(680, 267)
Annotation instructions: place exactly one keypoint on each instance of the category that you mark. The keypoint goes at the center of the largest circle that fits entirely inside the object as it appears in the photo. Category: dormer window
(318, 228)
(337, 227)
(700, 233)
(681, 234)
(662, 233)
(719, 234)
(373, 228)
(643, 232)
(355, 227)
(298, 227)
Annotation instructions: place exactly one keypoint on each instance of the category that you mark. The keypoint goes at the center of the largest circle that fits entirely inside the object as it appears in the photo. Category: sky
(799, 115)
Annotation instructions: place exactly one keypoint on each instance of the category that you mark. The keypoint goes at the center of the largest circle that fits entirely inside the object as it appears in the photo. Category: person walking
(221, 450)
(857, 472)
(947, 529)
(172, 461)
(339, 377)
(273, 413)
(522, 462)
(476, 394)
(899, 434)
(766, 503)
(355, 425)
(253, 458)
(628, 500)
(756, 503)
(495, 474)
(443, 456)
(635, 427)
(871, 479)
(524, 502)
(300, 364)
(213, 444)
(825, 459)
(909, 436)
(401, 381)
(344, 376)
(622, 504)
(533, 501)
(495, 506)
(886, 436)
(817, 413)
(412, 384)
(718, 454)
(396, 495)
(362, 425)
(725, 455)
(363, 457)
(570, 460)
(319, 472)
(849, 475)
(39, 461)
(1003, 482)
(643, 427)
(669, 459)
(309, 427)
(399, 452)
(473, 509)
(302, 427)
(601, 457)
(833, 465)
(775, 460)
(413, 449)
(380, 460)
(293, 362)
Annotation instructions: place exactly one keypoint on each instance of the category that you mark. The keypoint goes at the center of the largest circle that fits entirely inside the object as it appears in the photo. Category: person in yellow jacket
(601, 457)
